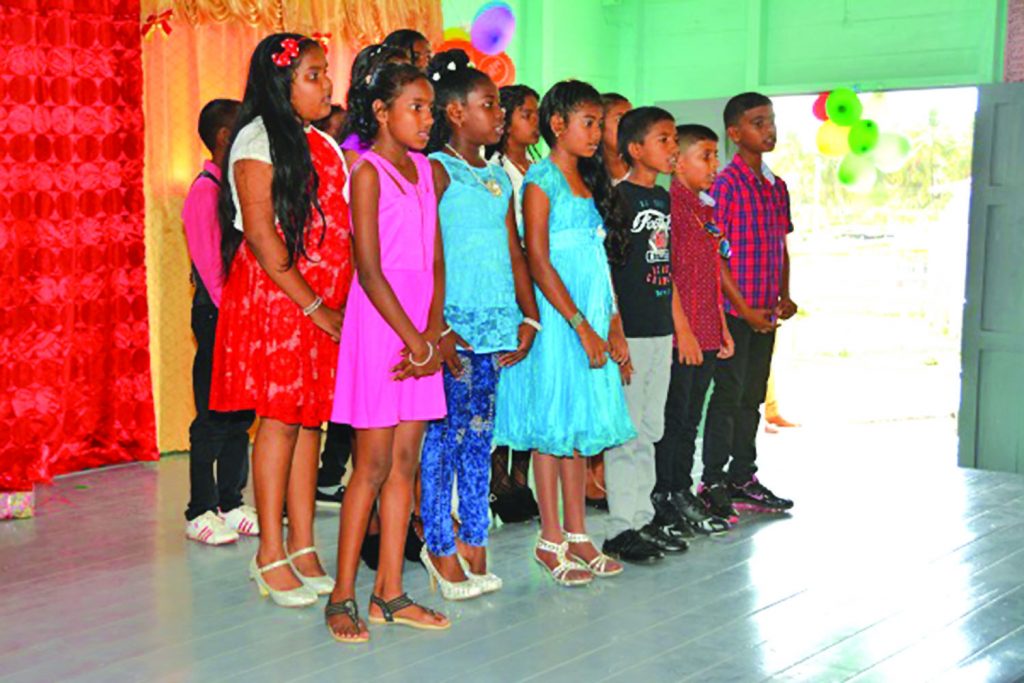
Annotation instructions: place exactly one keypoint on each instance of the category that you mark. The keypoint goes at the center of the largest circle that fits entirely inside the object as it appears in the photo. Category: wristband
(430, 354)
(576, 320)
(532, 323)
(311, 309)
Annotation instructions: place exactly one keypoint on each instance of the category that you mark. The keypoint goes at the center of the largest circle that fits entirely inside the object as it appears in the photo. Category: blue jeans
(460, 443)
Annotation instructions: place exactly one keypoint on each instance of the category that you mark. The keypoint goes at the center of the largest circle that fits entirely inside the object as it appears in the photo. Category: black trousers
(684, 408)
(335, 455)
(220, 438)
(734, 412)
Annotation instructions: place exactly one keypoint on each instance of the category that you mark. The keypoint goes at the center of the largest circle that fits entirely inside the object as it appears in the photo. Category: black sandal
(349, 609)
(403, 601)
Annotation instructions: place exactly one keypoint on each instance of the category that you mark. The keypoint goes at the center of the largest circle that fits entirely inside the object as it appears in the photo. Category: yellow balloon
(456, 33)
(833, 140)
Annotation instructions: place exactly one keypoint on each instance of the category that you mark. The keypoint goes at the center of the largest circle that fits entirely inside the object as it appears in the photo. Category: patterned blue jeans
(460, 444)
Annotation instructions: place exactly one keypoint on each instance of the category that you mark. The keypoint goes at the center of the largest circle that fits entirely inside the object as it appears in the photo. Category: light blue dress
(553, 401)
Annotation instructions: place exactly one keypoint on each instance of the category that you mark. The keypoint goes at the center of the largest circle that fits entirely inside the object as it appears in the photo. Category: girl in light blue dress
(565, 400)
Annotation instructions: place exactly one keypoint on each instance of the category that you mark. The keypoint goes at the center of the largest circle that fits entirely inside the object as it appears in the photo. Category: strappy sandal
(598, 565)
(565, 565)
(348, 608)
(403, 601)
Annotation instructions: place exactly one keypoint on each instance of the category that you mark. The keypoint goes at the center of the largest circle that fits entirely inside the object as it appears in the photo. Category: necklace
(519, 168)
(491, 183)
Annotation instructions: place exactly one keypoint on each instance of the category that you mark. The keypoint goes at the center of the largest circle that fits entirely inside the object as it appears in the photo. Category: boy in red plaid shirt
(752, 210)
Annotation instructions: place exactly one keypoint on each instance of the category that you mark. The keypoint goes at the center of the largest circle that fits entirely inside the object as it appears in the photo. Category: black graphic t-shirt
(643, 284)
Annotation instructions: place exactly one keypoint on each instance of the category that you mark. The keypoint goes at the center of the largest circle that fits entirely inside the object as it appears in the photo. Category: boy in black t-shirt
(638, 248)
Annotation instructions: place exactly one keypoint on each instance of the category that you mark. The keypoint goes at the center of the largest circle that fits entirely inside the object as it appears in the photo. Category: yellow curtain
(200, 51)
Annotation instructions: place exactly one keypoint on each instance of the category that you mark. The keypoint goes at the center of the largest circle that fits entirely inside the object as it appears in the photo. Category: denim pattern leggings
(460, 444)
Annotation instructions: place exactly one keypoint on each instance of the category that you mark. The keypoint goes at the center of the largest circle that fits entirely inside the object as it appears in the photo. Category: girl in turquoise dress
(565, 400)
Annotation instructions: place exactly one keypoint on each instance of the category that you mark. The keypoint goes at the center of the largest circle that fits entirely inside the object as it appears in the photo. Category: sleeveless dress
(268, 356)
(553, 401)
(366, 396)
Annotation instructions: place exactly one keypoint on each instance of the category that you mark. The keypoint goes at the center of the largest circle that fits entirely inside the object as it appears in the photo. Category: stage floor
(894, 566)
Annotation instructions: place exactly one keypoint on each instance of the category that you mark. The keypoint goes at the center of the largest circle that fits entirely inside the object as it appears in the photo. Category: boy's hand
(626, 372)
(728, 345)
(786, 309)
(760, 319)
(689, 348)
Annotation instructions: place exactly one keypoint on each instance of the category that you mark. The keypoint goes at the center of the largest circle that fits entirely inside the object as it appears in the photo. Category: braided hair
(453, 79)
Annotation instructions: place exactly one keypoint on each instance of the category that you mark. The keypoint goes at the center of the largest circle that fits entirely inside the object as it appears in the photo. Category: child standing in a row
(565, 400)
(485, 328)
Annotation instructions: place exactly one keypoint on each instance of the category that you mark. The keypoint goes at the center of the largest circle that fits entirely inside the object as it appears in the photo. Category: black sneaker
(692, 509)
(598, 504)
(662, 540)
(327, 499)
(718, 502)
(630, 547)
(755, 496)
(668, 518)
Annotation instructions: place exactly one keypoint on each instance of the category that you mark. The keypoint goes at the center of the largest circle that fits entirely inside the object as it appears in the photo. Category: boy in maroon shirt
(700, 330)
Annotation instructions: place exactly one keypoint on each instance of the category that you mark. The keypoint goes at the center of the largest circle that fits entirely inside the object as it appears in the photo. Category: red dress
(268, 356)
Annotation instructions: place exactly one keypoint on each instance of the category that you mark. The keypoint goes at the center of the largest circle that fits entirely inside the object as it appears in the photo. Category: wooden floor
(895, 566)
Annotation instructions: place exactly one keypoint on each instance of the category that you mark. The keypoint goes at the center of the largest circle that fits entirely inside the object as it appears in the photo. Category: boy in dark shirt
(638, 248)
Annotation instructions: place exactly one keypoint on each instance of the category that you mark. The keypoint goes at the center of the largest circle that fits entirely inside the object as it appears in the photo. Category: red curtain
(75, 388)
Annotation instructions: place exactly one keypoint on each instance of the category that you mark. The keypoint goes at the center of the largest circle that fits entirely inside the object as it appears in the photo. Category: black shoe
(662, 540)
(629, 547)
(755, 496)
(330, 501)
(598, 504)
(718, 502)
(527, 503)
(668, 518)
(370, 550)
(508, 507)
(695, 513)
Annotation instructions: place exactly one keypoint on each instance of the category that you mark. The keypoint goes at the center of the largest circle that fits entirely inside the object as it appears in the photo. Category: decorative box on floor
(17, 504)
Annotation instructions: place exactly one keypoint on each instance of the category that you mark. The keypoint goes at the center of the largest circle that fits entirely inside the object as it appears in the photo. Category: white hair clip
(451, 66)
(435, 77)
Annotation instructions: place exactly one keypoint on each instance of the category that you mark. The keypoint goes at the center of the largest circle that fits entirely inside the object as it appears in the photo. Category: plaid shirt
(754, 215)
(695, 266)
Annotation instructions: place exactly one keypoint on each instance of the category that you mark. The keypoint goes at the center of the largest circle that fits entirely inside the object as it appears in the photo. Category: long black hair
(406, 39)
(295, 183)
(368, 59)
(563, 99)
(453, 79)
(385, 84)
(513, 97)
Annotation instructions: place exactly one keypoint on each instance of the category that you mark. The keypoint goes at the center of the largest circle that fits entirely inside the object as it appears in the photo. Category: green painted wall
(659, 50)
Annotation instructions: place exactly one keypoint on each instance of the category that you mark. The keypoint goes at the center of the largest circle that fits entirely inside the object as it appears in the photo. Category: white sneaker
(243, 519)
(210, 529)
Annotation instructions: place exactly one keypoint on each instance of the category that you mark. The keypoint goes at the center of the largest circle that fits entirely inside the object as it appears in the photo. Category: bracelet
(532, 323)
(447, 331)
(430, 354)
(576, 320)
(311, 309)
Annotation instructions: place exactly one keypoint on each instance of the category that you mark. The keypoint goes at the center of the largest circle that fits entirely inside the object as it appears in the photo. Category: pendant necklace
(491, 183)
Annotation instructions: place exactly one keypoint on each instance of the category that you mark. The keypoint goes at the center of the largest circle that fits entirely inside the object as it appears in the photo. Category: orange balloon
(474, 55)
(499, 67)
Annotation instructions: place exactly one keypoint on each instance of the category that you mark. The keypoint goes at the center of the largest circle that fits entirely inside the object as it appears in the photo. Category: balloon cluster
(864, 150)
(486, 40)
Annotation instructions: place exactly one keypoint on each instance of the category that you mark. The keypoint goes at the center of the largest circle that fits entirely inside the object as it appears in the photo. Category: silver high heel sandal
(598, 565)
(303, 596)
(321, 585)
(565, 565)
(457, 590)
(488, 582)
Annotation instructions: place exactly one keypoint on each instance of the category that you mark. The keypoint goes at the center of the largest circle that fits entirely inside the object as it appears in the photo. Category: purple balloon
(493, 29)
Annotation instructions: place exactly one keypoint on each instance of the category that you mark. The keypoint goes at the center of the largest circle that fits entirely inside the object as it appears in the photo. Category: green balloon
(843, 107)
(857, 173)
(863, 136)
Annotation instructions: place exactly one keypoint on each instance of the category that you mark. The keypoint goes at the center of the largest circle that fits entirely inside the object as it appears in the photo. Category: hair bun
(444, 63)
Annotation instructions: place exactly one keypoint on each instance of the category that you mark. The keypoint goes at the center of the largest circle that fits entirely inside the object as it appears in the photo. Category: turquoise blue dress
(553, 401)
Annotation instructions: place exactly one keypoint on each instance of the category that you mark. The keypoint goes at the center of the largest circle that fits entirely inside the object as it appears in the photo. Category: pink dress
(365, 394)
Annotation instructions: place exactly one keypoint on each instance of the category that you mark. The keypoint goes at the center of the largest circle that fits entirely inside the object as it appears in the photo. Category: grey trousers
(629, 469)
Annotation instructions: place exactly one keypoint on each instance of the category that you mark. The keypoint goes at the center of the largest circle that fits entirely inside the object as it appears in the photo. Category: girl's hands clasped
(448, 348)
(527, 333)
(422, 363)
(595, 347)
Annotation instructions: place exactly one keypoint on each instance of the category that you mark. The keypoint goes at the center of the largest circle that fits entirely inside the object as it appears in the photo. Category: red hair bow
(323, 39)
(289, 51)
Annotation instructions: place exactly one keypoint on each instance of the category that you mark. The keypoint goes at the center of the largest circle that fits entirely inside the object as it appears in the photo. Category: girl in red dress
(287, 256)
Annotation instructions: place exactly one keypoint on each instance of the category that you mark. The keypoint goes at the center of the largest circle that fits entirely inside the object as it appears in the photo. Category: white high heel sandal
(321, 585)
(488, 582)
(565, 565)
(303, 596)
(458, 590)
(598, 565)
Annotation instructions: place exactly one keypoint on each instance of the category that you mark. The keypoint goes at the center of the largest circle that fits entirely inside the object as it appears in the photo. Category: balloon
(891, 152)
(833, 140)
(474, 55)
(488, 6)
(863, 136)
(856, 173)
(499, 67)
(819, 107)
(456, 33)
(843, 106)
(492, 29)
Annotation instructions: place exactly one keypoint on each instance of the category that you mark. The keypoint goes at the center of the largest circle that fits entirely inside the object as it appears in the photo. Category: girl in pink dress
(388, 381)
